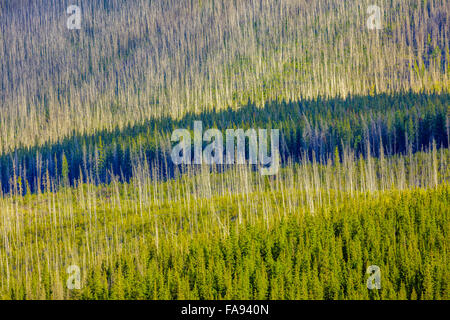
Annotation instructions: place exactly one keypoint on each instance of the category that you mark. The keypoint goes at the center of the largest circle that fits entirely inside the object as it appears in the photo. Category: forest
(92, 206)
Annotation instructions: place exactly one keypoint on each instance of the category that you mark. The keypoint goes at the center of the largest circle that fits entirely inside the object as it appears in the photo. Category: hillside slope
(136, 60)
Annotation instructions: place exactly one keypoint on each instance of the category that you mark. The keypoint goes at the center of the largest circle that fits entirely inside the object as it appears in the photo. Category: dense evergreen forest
(89, 192)
(310, 232)
(399, 123)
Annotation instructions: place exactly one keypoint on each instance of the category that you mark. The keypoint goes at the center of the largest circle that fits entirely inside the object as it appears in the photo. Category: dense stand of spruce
(308, 233)
(86, 178)
(399, 123)
(136, 60)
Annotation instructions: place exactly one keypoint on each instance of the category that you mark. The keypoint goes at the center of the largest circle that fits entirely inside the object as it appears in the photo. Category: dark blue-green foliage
(400, 122)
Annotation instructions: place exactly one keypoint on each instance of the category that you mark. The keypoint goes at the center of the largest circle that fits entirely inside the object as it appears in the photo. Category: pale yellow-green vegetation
(308, 232)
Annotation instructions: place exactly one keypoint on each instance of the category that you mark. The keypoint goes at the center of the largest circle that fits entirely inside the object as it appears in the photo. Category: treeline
(316, 128)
